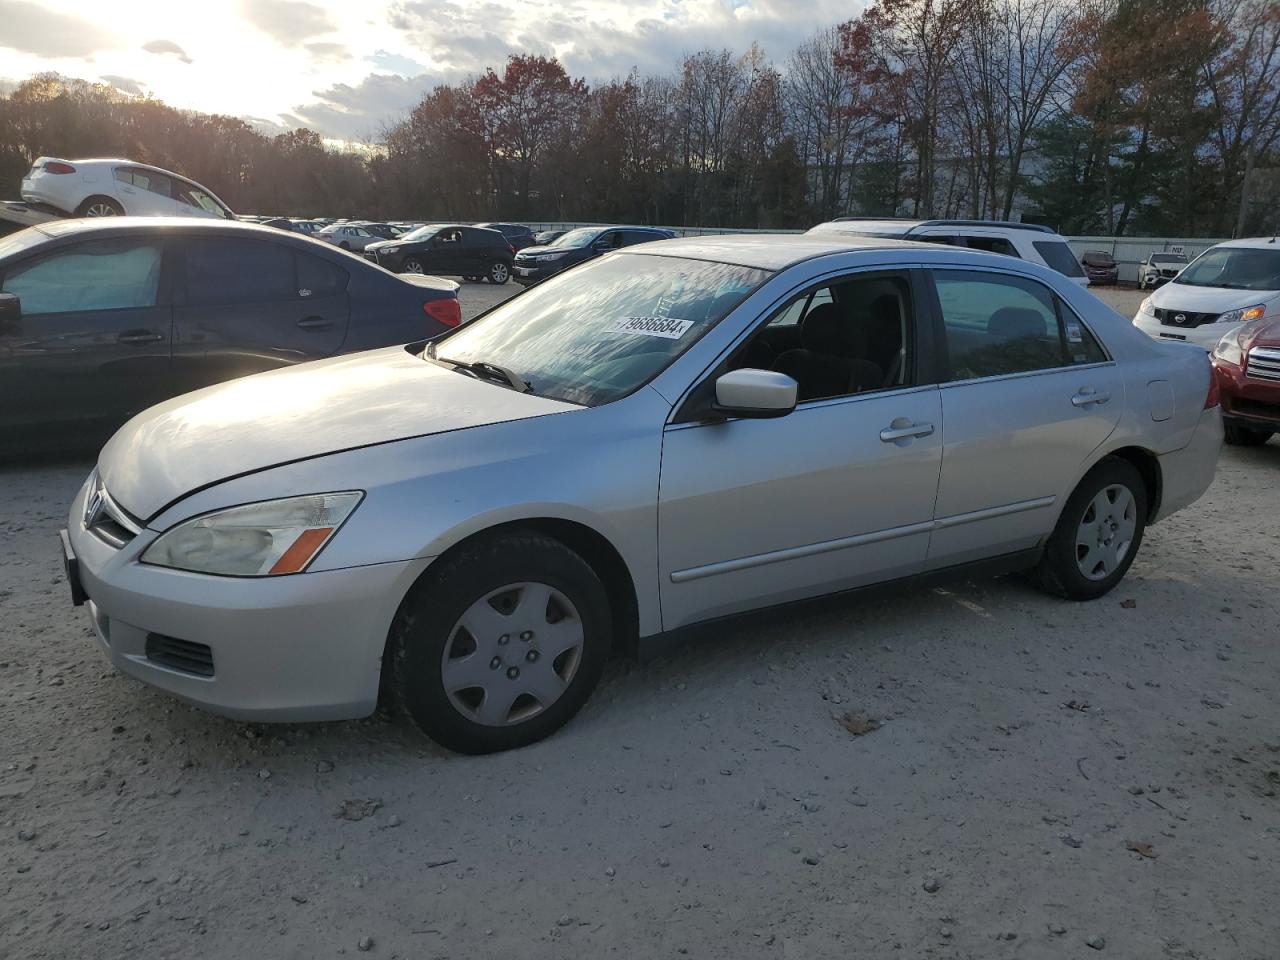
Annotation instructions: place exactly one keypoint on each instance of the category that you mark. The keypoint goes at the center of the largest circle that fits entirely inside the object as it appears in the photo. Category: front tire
(501, 645)
(100, 207)
(498, 272)
(413, 265)
(1098, 533)
(1239, 435)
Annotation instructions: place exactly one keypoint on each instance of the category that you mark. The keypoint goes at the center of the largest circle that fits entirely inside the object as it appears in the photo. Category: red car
(1246, 364)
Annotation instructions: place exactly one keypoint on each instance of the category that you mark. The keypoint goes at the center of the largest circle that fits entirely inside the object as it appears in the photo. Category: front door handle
(140, 336)
(894, 433)
(315, 323)
(1085, 397)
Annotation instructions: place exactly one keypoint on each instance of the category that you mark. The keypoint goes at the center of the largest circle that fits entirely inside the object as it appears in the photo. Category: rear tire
(100, 207)
(1237, 434)
(534, 661)
(498, 272)
(1098, 533)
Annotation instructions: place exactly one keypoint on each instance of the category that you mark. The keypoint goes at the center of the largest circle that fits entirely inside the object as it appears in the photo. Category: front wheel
(498, 273)
(500, 646)
(413, 266)
(1239, 435)
(1098, 533)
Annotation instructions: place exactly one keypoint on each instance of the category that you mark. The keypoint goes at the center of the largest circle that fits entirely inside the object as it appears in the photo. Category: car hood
(1183, 296)
(296, 413)
(534, 251)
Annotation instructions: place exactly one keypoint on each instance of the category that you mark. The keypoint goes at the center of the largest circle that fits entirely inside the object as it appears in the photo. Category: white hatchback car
(1227, 285)
(113, 188)
(661, 437)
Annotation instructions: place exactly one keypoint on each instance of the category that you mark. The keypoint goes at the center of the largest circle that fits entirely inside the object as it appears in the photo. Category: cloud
(360, 111)
(48, 33)
(161, 47)
(288, 22)
(396, 63)
(123, 84)
(328, 51)
(601, 39)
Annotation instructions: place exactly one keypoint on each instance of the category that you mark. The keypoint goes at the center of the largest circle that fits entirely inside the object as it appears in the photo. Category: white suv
(1225, 286)
(113, 188)
(1026, 241)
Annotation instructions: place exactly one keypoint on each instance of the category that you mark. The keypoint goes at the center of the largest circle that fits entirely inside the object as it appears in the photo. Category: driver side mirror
(755, 394)
(10, 313)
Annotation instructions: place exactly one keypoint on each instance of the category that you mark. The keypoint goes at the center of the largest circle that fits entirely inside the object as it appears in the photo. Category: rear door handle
(139, 336)
(315, 323)
(1085, 397)
(892, 434)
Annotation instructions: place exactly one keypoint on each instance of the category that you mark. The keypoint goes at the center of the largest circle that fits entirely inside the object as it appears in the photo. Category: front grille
(1189, 318)
(107, 520)
(1263, 363)
(1170, 273)
(183, 655)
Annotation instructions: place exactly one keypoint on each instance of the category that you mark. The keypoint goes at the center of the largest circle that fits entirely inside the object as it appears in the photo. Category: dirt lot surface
(1045, 777)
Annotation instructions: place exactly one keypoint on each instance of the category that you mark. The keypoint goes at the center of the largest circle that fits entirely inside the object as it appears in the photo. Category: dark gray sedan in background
(100, 319)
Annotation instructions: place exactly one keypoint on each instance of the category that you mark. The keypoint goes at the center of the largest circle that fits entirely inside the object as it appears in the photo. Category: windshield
(596, 333)
(577, 238)
(421, 233)
(1235, 268)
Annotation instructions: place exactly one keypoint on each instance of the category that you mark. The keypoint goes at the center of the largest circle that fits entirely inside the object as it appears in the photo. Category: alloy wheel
(413, 266)
(512, 654)
(100, 210)
(1106, 532)
(499, 273)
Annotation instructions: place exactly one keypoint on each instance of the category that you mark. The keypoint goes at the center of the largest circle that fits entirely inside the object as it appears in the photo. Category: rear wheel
(413, 265)
(501, 646)
(1098, 533)
(498, 273)
(100, 207)
(1240, 435)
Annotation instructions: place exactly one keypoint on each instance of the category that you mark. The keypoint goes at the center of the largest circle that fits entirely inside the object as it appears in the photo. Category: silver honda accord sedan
(671, 434)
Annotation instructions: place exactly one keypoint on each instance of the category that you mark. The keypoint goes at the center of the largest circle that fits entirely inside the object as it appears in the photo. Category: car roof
(1268, 243)
(107, 226)
(904, 224)
(771, 251)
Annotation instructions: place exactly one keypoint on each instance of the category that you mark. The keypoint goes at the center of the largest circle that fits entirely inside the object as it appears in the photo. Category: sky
(347, 69)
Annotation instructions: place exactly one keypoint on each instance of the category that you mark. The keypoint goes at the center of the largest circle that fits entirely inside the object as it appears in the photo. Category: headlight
(1229, 349)
(256, 540)
(1146, 308)
(1243, 315)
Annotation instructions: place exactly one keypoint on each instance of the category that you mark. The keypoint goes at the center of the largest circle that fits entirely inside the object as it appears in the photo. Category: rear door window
(1059, 257)
(222, 272)
(319, 278)
(997, 325)
(991, 245)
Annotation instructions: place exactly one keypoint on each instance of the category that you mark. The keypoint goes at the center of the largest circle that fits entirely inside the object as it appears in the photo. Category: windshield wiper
(491, 371)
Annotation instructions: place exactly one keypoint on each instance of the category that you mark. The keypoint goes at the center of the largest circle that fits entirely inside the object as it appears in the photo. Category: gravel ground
(1045, 776)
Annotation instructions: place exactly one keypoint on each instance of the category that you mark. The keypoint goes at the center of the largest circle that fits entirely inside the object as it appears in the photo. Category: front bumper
(527, 274)
(1248, 400)
(291, 648)
(1206, 335)
(1187, 473)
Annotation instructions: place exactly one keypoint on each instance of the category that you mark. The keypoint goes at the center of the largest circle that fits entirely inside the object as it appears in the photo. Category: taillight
(1214, 397)
(55, 166)
(446, 310)
(511, 249)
